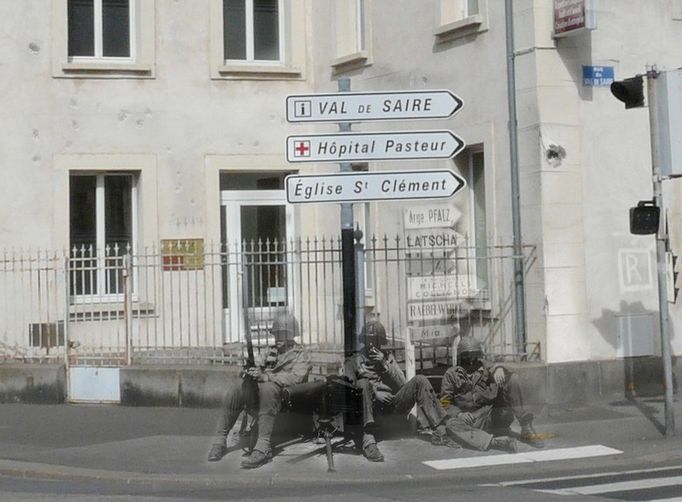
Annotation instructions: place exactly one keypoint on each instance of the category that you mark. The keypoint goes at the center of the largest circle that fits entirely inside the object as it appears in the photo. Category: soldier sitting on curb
(259, 390)
(385, 390)
(484, 400)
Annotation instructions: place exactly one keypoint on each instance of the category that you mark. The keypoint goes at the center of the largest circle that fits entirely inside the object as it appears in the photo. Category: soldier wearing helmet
(260, 391)
(484, 398)
(385, 390)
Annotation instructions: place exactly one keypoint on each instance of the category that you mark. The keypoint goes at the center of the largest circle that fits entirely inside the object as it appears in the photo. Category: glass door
(258, 276)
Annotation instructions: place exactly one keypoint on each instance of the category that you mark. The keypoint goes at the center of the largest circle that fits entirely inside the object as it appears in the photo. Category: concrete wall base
(554, 384)
(32, 383)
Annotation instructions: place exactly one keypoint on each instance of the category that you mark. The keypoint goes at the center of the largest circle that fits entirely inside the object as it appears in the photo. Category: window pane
(472, 7)
(83, 234)
(480, 230)
(234, 27)
(361, 29)
(116, 28)
(252, 181)
(81, 14)
(266, 30)
(263, 229)
(118, 222)
(117, 228)
(82, 209)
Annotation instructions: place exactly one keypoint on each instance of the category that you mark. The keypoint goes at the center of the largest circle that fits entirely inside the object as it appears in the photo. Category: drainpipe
(519, 293)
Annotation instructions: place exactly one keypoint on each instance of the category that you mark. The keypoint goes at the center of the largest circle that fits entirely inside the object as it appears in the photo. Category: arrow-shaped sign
(377, 185)
(357, 106)
(357, 147)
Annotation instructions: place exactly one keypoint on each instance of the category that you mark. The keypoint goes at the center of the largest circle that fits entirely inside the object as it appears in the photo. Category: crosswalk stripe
(640, 484)
(521, 458)
(536, 481)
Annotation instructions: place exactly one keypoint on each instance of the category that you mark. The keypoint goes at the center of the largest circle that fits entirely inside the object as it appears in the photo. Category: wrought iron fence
(189, 302)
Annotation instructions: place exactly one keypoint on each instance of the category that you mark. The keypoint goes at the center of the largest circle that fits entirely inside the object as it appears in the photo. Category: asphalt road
(643, 482)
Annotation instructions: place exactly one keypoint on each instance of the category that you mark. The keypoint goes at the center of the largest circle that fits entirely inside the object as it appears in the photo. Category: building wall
(184, 121)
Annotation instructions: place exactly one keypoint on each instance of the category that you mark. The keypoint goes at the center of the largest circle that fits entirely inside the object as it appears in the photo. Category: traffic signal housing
(630, 91)
(644, 219)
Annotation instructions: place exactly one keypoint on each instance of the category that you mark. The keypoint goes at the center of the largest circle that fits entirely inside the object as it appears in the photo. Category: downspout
(519, 289)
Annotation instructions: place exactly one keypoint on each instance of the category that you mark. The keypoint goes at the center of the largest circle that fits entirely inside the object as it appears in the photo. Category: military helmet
(373, 329)
(469, 348)
(469, 344)
(285, 324)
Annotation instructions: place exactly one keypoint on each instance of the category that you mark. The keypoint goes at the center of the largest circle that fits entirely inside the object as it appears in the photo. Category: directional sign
(356, 106)
(380, 185)
(361, 147)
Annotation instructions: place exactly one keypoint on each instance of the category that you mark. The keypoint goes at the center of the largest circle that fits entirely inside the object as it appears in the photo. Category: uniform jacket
(469, 392)
(287, 368)
(387, 376)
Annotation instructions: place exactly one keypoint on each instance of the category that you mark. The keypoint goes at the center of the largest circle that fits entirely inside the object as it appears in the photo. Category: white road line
(584, 476)
(521, 458)
(640, 484)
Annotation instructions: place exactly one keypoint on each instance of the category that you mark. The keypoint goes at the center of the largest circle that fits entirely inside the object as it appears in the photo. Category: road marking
(523, 458)
(640, 484)
(583, 476)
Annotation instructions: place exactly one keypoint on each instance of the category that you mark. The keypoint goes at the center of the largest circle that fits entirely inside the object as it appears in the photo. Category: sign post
(347, 187)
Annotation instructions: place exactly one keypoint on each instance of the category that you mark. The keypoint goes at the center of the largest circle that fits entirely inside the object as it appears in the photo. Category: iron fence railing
(191, 302)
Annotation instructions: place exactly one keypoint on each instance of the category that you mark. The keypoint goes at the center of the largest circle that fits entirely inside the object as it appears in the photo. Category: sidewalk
(169, 445)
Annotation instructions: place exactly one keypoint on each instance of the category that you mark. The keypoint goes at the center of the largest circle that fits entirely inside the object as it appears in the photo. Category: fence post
(127, 307)
(67, 314)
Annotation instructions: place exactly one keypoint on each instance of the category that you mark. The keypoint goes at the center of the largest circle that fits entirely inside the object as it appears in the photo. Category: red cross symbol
(301, 148)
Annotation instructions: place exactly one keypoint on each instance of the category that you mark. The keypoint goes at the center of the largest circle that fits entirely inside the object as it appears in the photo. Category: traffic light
(671, 275)
(630, 91)
(644, 218)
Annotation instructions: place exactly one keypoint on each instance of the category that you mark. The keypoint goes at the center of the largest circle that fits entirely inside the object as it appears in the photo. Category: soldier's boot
(528, 434)
(372, 453)
(256, 459)
(504, 443)
(217, 452)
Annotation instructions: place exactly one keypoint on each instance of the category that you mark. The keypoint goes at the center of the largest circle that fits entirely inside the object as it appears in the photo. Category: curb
(51, 472)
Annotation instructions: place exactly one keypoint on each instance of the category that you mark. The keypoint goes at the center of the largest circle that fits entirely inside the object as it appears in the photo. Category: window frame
(353, 35)
(251, 40)
(292, 52)
(455, 20)
(140, 64)
(476, 216)
(98, 34)
(100, 295)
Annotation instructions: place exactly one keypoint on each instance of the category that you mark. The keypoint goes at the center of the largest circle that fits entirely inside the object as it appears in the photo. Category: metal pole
(347, 251)
(359, 281)
(661, 241)
(127, 307)
(519, 295)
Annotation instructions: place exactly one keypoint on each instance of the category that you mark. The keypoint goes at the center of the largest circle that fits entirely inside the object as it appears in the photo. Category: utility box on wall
(669, 98)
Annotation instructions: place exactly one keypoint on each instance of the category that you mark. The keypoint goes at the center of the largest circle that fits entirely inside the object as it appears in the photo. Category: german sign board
(358, 106)
(431, 333)
(431, 216)
(363, 147)
(377, 185)
(441, 287)
(433, 241)
(435, 310)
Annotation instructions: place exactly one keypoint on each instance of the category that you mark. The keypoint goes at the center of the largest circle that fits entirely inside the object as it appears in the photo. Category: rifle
(252, 398)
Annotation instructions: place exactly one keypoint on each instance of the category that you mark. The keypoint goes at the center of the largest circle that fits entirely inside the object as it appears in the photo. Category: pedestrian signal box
(644, 218)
